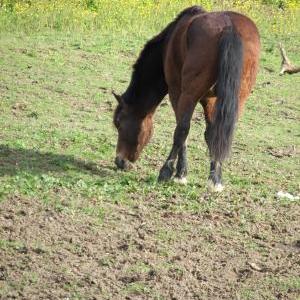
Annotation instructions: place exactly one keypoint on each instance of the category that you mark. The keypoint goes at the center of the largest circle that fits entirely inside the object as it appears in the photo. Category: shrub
(135, 15)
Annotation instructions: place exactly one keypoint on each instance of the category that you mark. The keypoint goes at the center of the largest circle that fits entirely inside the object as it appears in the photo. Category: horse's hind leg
(215, 177)
(208, 103)
(215, 173)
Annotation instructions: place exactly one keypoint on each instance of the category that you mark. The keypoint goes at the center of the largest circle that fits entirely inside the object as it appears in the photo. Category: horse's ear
(118, 97)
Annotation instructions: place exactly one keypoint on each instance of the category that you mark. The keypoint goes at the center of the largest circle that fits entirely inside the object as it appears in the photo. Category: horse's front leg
(181, 167)
(184, 112)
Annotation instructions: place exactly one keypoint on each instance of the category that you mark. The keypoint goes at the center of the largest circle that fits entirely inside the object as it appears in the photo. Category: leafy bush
(134, 15)
(281, 3)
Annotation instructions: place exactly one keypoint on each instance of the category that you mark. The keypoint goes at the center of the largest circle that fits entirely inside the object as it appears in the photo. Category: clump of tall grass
(272, 16)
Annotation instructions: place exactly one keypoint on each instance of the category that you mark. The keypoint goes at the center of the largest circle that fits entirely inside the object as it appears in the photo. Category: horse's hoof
(165, 174)
(180, 180)
(215, 187)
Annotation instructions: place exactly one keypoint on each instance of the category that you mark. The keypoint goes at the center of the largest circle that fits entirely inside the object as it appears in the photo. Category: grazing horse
(211, 58)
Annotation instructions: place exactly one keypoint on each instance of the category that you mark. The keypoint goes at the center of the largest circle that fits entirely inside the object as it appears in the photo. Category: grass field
(73, 227)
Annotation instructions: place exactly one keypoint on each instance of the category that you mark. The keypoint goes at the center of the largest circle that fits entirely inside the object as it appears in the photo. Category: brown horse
(211, 58)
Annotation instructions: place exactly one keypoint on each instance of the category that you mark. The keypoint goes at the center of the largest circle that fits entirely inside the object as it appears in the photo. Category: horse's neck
(145, 101)
(148, 86)
(146, 104)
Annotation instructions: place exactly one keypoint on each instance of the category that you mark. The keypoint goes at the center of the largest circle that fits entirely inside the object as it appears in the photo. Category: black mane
(148, 85)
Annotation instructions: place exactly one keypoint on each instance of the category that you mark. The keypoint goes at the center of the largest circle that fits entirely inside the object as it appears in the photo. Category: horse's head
(134, 132)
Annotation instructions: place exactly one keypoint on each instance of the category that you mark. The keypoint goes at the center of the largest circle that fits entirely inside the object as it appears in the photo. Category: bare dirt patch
(289, 151)
(146, 253)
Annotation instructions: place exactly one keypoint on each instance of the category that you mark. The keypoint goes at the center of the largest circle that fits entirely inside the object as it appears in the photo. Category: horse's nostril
(122, 163)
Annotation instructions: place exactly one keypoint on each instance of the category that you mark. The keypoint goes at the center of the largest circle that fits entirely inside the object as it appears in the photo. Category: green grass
(58, 142)
(58, 138)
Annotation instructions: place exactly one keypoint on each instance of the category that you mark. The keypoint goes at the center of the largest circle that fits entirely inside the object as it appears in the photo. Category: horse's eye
(118, 122)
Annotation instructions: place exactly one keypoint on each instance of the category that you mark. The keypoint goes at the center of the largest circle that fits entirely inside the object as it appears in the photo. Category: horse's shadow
(15, 160)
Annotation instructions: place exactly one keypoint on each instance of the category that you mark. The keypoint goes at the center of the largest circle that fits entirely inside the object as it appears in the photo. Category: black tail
(230, 62)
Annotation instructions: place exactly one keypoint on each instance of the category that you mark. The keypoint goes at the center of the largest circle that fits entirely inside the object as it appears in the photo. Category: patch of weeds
(106, 261)
(139, 267)
(73, 290)
(167, 235)
(247, 294)
(95, 211)
(29, 278)
(285, 285)
(137, 288)
(15, 245)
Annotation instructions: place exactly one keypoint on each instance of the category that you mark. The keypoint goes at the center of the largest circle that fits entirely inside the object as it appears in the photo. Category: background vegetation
(134, 16)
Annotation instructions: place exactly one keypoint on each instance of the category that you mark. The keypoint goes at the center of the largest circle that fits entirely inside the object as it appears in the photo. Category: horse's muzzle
(123, 164)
